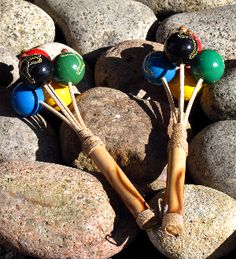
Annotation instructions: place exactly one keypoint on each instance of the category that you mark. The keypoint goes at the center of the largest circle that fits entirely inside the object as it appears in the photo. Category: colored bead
(208, 65)
(36, 70)
(69, 67)
(180, 48)
(189, 85)
(62, 92)
(25, 53)
(156, 66)
(26, 101)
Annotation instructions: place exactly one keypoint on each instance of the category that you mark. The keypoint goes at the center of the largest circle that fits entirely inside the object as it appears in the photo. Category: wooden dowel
(192, 99)
(119, 181)
(170, 98)
(181, 95)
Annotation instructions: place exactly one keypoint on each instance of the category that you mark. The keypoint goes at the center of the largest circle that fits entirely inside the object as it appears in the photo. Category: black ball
(181, 48)
(36, 69)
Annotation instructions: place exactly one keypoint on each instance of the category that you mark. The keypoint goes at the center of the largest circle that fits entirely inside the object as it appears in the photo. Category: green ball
(208, 65)
(69, 67)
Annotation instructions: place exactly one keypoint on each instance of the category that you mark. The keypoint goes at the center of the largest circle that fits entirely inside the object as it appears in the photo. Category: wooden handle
(175, 191)
(119, 181)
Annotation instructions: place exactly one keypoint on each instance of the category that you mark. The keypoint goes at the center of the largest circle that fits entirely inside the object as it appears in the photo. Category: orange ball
(189, 84)
(62, 92)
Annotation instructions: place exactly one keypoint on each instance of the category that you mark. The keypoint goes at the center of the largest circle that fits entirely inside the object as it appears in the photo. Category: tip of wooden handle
(173, 224)
(146, 219)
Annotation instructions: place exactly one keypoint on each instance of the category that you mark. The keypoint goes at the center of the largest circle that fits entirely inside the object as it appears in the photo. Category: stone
(29, 138)
(9, 71)
(24, 25)
(135, 135)
(209, 225)
(166, 7)
(218, 101)
(90, 25)
(52, 211)
(54, 48)
(212, 26)
(212, 160)
(121, 66)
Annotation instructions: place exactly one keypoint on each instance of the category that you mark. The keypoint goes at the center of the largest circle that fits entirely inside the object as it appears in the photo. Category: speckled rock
(96, 24)
(24, 25)
(9, 71)
(135, 135)
(209, 226)
(55, 48)
(121, 66)
(29, 138)
(218, 101)
(212, 160)
(168, 7)
(53, 211)
(213, 27)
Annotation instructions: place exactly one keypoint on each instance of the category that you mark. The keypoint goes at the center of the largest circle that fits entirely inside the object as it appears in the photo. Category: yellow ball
(189, 84)
(62, 92)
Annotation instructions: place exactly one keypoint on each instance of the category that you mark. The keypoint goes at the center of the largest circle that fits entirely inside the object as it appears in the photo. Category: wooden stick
(192, 99)
(181, 96)
(170, 98)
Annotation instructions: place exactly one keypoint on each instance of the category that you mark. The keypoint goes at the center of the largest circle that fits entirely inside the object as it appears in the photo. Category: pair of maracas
(36, 70)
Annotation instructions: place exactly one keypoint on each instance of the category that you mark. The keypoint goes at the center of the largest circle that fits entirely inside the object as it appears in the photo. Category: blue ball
(26, 101)
(156, 66)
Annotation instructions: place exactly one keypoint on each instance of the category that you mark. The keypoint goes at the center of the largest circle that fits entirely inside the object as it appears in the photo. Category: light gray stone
(212, 160)
(218, 101)
(9, 71)
(215, 27)
(121, 66)
(89, 25)
(29, 138)
(172, 6)
(209, 225)
(53, 211)
(24, 25)
(135, 135)
(54, 48)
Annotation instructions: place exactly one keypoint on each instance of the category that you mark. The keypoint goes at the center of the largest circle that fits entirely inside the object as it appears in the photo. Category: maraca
(36, 70)
(35, 51)
(156, 66)
(25, 100)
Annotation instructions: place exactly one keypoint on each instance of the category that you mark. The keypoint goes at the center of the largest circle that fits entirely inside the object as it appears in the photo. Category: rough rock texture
(9, 71)
(55, 48)
(212, 160)
(214, 27)
(173, 6)
(121, 66)
(24, 25)
(209, 225)
(29, 138)
(89, 25)
(135, 135)
(53, 211)
(218, 101)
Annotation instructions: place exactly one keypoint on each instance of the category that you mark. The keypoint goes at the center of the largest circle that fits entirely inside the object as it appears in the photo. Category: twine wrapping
(146, 219)
(172, 224)
(89, 140)
(179, 137)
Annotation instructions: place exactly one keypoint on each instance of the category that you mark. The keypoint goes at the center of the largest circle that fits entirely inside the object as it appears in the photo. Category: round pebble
(212, 160)
(209, 225)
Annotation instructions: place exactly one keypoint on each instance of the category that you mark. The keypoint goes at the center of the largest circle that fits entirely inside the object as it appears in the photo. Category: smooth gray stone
(215, 27)
(212, 160)
(89, 25)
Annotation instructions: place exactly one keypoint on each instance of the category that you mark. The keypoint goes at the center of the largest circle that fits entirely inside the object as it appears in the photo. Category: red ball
(199, 43)
(25, 53)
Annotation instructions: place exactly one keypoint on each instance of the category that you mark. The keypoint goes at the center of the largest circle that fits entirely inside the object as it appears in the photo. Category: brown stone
(134, 132)
(53, 211)
(121, 66)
